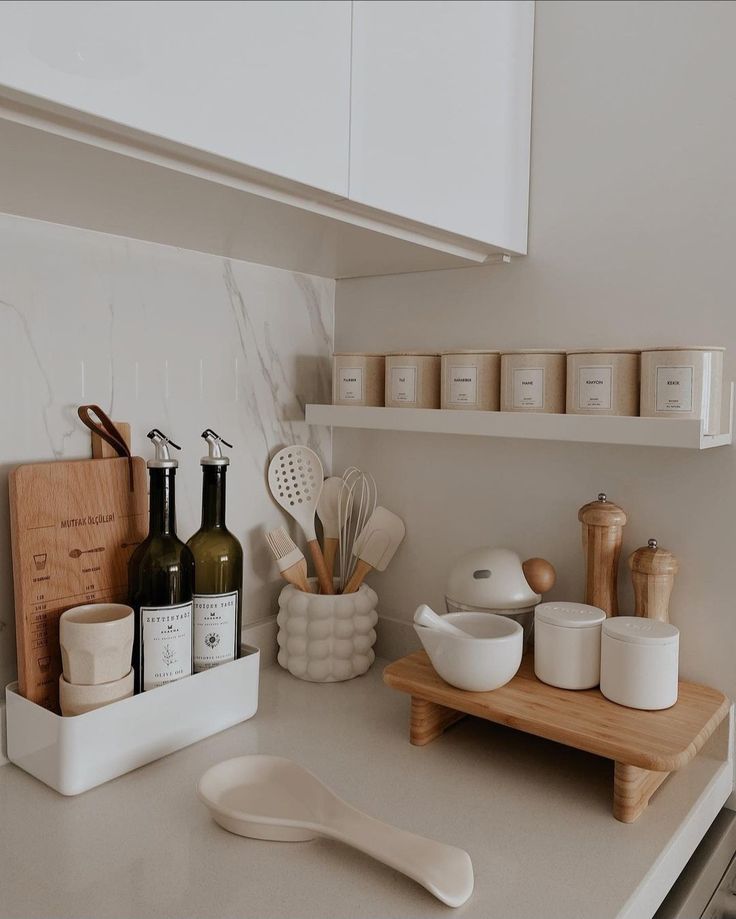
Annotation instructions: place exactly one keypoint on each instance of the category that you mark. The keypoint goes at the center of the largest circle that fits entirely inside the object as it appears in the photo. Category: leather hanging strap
(104, 428)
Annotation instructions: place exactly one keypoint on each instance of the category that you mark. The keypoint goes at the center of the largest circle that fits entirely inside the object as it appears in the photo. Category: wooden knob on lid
(540, 574)
(653, 573)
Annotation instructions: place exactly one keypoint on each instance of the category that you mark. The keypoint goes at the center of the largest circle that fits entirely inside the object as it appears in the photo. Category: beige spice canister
(471, 380)
(358, 378)
(603, 382)
(685, 382)
(412, 379)
(533, 380)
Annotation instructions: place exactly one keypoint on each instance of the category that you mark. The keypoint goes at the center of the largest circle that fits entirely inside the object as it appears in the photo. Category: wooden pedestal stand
(645, 746)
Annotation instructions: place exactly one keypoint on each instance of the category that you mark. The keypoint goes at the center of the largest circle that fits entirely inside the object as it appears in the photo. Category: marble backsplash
(159, 337)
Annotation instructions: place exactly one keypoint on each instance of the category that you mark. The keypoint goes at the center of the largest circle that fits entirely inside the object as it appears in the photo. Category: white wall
(632, 229)
(158, 337)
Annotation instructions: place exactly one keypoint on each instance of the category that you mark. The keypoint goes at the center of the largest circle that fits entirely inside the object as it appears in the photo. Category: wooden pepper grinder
(653, 572)
(603, 524)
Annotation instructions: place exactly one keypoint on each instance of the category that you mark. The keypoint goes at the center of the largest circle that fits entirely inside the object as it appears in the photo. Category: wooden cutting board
(73, 528)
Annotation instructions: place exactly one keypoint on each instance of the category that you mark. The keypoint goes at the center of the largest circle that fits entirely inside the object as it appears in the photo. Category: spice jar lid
(638, 630)
(684, 348)
(358, 354)
(413, 354)
(605, 351)
(569, 615)
(535, 351)
(469, 351)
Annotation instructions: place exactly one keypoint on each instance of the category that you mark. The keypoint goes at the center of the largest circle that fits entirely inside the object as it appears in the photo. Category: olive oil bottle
(218, 568)
(160, 582)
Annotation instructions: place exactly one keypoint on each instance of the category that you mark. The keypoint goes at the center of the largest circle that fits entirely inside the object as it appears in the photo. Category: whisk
(357, 501)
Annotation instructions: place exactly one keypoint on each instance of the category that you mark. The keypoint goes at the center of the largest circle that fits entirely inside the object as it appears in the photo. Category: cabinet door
(266, 84)
(441, 114)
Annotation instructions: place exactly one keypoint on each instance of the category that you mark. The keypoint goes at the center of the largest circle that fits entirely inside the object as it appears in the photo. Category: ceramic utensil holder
(683, 383)
(326, 638)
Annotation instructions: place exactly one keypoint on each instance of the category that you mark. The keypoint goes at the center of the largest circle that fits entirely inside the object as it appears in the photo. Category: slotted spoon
(295, 478)
(269, 797)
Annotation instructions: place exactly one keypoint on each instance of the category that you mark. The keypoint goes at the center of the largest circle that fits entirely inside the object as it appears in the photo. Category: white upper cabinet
(263, 83)
(441, 114)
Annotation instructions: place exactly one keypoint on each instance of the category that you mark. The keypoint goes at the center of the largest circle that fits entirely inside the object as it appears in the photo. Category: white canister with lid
(471, 380)
(684, 382)
(639, 662)
(567, 644)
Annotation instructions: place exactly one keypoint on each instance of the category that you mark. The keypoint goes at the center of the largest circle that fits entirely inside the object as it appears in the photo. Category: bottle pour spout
(163, 459)
(215, 457)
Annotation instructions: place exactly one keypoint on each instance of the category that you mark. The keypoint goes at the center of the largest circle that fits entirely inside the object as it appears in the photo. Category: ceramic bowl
(487, 659)
(96, 643)
(76, 700)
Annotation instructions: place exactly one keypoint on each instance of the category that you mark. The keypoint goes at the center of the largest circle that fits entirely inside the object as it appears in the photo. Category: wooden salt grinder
(653, 572)
(603, 524)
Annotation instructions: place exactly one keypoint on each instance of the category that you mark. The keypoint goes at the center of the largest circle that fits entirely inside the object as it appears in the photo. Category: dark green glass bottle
(218, 568)
(160, 583)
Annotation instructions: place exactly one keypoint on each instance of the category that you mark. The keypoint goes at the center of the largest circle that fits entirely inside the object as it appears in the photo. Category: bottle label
(528, 387)
(594, 387)
(463, 386)
(675, 389)
(350, 384)
(166, 644)
(215, 619)
(404, 384)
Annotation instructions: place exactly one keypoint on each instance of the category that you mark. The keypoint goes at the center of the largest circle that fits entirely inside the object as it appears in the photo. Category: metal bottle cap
(215, 457)
(162, 443)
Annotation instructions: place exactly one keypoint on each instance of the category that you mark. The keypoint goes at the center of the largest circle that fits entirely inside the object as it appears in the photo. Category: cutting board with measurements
(73, 528)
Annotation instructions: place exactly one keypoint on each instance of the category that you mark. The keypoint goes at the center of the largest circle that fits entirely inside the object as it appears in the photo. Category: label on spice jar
(404, 384)
(350, 384)
(675, 389)
(528, 387)
(463, 386)
(594, 387)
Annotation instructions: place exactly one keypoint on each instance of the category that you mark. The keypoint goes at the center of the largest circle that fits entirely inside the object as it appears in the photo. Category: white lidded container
(684, 382)
(412, 379)
(639, 662)
(490, 580)
(567, 644)
(358, 378)
(533, 380)
(471, 380)
(604, 382)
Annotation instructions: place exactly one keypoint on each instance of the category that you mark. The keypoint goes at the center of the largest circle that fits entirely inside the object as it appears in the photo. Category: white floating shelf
(592, 429)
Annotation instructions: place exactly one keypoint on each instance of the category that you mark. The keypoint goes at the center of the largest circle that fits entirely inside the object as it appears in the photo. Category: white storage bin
(639, 661)
(74, 754)
(567, 644)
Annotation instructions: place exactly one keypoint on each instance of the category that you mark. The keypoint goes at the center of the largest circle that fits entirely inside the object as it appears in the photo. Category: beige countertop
(534, 816)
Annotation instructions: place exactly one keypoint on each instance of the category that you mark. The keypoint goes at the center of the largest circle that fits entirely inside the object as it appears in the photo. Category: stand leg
(429, 720)
(632, 789)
